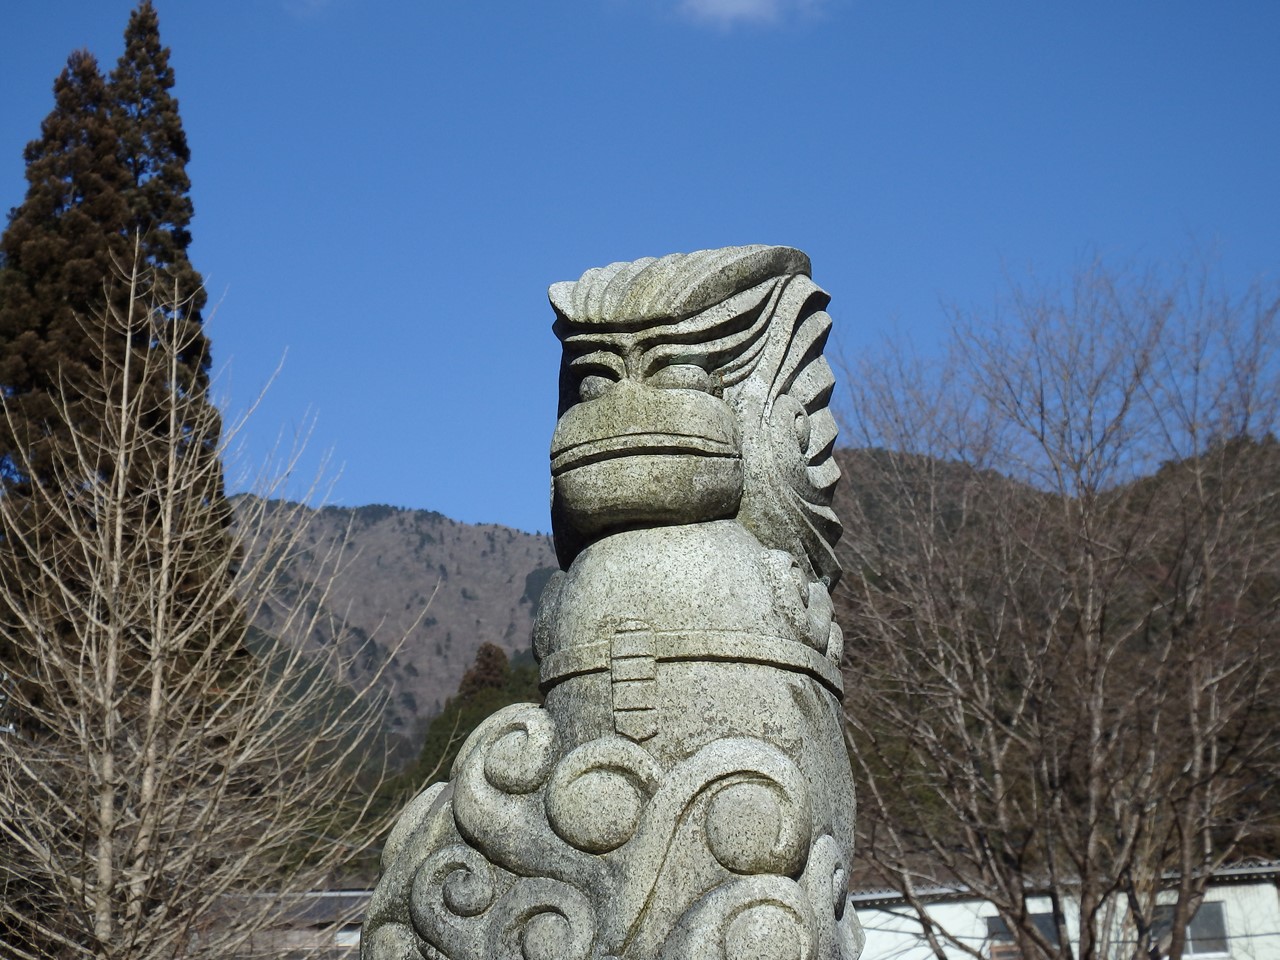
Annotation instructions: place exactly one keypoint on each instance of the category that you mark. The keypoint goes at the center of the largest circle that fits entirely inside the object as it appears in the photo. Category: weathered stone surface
(684, 792)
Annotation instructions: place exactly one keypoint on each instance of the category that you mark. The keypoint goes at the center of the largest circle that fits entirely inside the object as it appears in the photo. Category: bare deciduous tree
(1062, 560)
(175, 776)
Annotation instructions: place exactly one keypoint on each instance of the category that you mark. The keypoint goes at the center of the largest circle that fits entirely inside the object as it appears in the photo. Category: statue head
(693, 388)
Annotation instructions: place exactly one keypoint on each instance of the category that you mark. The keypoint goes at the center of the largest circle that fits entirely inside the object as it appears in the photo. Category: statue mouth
(633, 423)
(640, 444)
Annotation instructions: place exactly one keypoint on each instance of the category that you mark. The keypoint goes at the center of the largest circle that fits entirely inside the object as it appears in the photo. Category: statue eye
(683, 376)
(593, 386)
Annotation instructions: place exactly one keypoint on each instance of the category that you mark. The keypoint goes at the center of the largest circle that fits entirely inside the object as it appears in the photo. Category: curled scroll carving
(542, 919)
(684, 792)
(598, 792)
(751, 918)
(453, 887)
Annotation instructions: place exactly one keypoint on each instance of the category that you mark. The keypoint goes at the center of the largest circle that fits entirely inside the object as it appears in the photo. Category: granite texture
(684, 792)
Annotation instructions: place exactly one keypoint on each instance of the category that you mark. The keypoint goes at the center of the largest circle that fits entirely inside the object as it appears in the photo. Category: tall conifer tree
(108, 196)
(152, 147)
(109, 168)
(58, 249)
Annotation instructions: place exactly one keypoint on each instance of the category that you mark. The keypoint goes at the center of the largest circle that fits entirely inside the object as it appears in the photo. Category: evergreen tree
(58, 251)
(489, 684)
(152, 147)
(108, 198)
(109, 169)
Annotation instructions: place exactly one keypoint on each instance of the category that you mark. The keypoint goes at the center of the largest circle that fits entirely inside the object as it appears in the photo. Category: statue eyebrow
(724, 344)
(602, 360)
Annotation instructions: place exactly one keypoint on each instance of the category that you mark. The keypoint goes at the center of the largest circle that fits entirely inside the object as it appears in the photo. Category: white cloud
(727, 12)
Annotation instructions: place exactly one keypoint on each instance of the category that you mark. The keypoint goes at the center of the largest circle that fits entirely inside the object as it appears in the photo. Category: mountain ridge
(446, 587)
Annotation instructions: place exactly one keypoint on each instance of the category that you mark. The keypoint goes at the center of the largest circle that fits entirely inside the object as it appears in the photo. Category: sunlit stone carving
(684, 792)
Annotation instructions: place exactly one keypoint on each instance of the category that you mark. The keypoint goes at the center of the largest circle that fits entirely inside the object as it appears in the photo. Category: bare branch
(171, 764)
(1063, 578)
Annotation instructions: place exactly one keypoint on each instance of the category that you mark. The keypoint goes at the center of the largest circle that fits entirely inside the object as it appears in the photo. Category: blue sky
(384, 190)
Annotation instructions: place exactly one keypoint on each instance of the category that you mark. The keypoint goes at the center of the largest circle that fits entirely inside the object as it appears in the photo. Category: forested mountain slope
(446, 587)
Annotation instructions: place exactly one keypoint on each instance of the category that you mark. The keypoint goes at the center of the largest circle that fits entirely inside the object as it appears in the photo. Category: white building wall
(1252, 913)
(1253, 919)
(893, 933)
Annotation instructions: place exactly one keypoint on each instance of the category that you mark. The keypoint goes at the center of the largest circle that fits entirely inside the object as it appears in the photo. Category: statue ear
(789, 433)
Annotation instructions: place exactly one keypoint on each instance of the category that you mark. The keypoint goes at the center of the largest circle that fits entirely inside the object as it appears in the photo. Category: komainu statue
(684, 792)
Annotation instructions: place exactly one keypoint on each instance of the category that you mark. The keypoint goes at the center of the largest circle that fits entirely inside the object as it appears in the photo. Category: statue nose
(632, 384)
